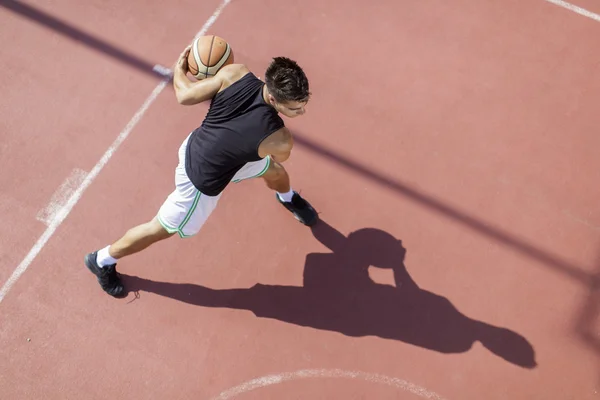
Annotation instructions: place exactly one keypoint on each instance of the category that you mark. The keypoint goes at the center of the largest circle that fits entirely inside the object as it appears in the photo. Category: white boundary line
(62, 213)
(575, 9)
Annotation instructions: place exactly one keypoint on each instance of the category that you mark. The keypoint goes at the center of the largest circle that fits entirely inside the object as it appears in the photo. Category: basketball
(209, 53)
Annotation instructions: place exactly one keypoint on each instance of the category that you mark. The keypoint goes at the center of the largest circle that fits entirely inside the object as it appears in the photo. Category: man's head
(287, 87)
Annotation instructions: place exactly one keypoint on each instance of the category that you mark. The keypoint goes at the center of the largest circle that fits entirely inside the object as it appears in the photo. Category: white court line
(575, 9)
(276, 379)
(61, 196)
(62, 213)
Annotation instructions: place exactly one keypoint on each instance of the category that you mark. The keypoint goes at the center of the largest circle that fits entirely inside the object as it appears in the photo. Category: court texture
(450, 147)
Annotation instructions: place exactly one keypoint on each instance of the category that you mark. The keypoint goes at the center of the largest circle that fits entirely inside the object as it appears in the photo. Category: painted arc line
(270, 380)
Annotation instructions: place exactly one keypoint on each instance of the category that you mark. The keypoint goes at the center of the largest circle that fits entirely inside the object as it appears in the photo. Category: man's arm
(188, 92)
(278, 145)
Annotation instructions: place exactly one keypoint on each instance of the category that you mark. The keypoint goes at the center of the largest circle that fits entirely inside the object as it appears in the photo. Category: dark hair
(286, 81)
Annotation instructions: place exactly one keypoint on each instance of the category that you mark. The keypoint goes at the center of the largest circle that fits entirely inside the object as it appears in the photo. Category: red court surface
(450, 147)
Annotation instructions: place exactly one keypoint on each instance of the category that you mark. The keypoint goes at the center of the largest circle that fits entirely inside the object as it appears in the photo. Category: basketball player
(241, 137)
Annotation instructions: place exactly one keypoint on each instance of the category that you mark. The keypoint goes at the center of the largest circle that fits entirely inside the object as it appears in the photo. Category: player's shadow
(339, 295)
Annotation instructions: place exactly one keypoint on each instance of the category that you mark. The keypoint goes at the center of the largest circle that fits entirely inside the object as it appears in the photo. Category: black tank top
(238, 120)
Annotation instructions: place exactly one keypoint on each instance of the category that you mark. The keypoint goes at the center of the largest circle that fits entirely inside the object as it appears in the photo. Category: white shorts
(186, 209)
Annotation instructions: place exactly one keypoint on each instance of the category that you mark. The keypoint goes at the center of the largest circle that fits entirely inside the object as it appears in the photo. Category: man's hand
(188, 92)
(182, 62)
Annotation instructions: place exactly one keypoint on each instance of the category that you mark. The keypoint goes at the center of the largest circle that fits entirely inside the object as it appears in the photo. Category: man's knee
(275, 172)
(157, 231)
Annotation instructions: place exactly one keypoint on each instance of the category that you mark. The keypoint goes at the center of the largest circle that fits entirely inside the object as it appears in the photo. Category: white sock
(286, 196)
(103, 258)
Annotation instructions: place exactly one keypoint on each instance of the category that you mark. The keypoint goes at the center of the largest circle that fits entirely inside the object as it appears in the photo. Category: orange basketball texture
(209, 53)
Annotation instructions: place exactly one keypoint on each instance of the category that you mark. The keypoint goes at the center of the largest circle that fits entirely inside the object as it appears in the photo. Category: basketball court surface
(450, 147)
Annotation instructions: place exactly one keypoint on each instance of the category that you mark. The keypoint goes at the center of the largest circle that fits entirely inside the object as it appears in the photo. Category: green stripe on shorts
(190, 212)
(266, 167)
(261, 173)
(179, 229)
(164, 225)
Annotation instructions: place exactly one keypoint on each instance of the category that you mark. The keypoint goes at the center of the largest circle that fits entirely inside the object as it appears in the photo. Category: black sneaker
(108, 278)
(301, 209)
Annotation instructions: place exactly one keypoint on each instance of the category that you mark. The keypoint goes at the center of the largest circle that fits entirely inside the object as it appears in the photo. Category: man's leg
(277, 179)
(137, 239)
(183, 212)
(103, 263)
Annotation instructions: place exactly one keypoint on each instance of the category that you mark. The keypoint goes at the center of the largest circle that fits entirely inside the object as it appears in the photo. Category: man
(242, 137)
